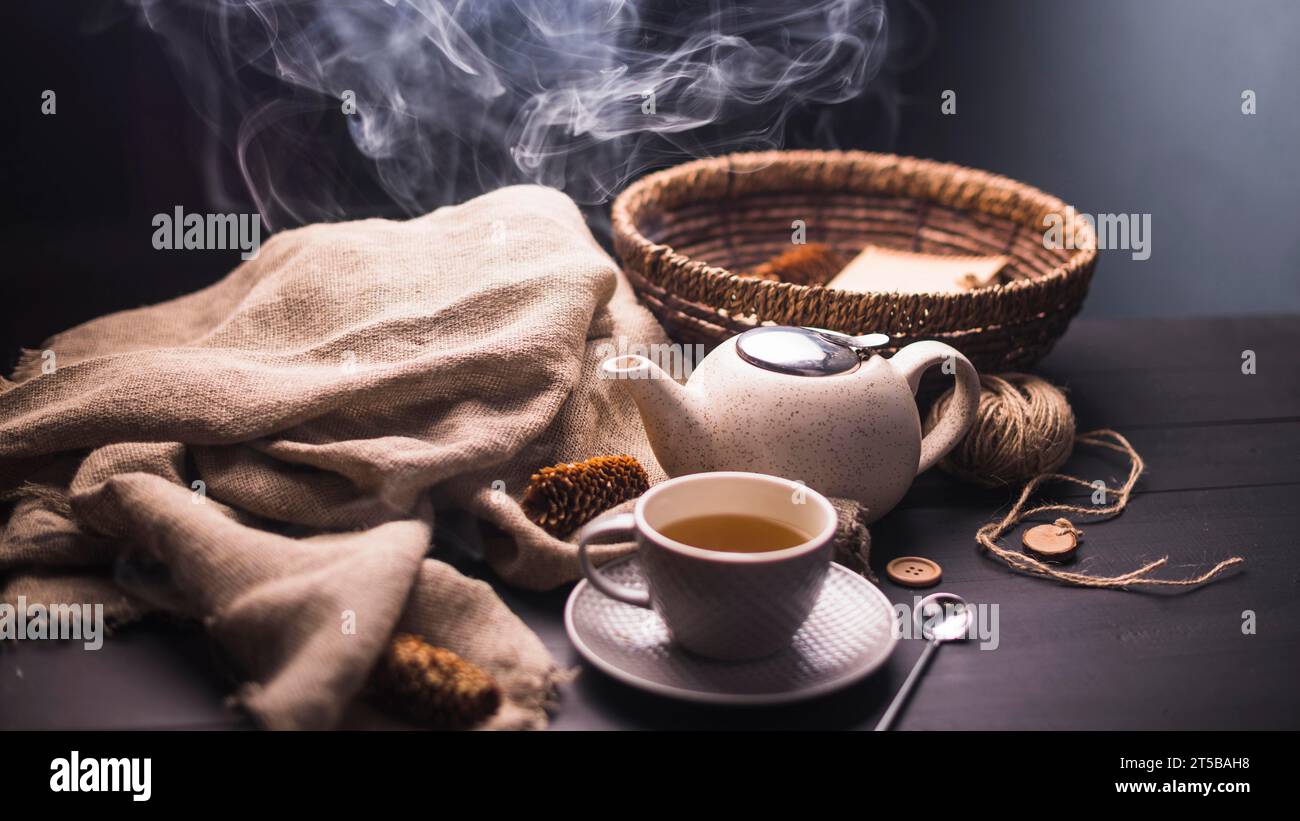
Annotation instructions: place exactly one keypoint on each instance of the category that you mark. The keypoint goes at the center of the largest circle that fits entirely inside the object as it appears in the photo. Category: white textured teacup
(715, 603)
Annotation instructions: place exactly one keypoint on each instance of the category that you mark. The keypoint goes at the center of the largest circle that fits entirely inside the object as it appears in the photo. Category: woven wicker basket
(684, 234)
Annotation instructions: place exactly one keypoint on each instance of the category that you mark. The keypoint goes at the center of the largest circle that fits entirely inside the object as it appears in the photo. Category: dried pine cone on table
(432, 685)
(563, 497)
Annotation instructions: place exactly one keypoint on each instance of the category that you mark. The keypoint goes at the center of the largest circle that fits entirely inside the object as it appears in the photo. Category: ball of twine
(1024, 427)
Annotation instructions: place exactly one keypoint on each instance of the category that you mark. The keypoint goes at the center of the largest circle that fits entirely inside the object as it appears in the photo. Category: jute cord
(989, 535)
(1024, 427)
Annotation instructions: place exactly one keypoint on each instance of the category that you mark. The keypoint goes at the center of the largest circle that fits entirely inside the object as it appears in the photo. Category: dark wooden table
(1223, 476)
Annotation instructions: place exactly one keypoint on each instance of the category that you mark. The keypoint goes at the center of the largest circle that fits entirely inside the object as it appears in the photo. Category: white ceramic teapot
(805, 404)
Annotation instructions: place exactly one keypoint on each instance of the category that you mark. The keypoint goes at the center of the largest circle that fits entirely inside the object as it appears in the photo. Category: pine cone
(563, 497)
(432, 685)
(813, 264)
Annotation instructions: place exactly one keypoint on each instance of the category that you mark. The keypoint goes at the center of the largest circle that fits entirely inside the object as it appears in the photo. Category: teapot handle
(913, 361)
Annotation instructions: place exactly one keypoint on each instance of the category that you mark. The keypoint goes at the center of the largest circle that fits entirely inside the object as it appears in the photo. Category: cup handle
(912, 362)
(623, 524)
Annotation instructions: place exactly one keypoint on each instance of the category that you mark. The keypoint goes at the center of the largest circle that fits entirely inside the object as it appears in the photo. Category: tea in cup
(734, 561)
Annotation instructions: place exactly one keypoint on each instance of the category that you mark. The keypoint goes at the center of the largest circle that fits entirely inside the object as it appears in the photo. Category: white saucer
(847, 636)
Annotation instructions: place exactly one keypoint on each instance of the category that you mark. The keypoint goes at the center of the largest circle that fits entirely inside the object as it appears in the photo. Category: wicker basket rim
(917, 172)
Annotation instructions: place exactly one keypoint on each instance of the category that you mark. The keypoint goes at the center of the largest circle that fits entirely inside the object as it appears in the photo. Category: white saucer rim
(730, 699)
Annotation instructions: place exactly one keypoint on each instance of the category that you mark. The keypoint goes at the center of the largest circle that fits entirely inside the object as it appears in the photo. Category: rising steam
(457, 97)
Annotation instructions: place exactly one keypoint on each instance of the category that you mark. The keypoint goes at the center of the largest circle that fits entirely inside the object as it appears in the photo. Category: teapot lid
(804, 351)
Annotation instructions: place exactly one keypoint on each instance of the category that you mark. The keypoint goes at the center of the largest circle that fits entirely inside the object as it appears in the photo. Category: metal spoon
(956, 619)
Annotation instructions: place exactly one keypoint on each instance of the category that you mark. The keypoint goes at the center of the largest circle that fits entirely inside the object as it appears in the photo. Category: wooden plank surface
(1223, 456)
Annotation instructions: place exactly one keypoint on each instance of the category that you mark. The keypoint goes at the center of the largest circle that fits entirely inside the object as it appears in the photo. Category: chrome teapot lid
(805, 351)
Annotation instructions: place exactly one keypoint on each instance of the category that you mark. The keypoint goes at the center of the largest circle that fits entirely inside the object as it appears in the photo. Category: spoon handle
(896, 706)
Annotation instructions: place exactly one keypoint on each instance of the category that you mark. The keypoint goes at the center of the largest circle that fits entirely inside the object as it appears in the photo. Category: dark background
(1115, 106)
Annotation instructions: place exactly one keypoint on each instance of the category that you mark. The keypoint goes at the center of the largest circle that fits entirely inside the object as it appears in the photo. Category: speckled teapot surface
(805, 404)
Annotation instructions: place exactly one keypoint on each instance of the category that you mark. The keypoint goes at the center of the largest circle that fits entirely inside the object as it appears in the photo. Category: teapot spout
(666, 406)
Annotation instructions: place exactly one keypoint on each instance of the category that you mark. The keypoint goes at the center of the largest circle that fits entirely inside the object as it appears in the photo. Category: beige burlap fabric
(319, 392)
(267, 454)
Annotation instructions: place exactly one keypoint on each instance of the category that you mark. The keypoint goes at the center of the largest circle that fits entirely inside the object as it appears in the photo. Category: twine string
(1024, 427)
(989, 534)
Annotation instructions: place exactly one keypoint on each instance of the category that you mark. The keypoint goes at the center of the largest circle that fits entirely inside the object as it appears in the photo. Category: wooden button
(914, 571)
(1050, 541)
